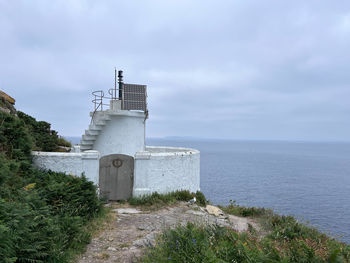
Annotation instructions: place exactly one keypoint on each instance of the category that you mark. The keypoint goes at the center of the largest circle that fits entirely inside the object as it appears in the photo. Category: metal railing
(113, 92)
(100, 98)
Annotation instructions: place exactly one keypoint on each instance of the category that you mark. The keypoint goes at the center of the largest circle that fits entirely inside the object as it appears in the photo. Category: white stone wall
(157, 169)
(70, 163)
(123, 134)
(166, 169)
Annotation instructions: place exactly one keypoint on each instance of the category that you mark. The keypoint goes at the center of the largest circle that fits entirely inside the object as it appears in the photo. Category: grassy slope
(285, 240)
(43, 215)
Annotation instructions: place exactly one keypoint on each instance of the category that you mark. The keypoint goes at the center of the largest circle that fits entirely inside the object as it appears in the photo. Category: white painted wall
(70, 163)
(157, 169)
(166, 169)
(123, 134)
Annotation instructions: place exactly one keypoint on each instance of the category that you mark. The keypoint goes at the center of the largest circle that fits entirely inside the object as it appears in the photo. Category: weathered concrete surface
(70, 163)
(166, 169)
(123, 133)
(127, 211)
(133, 230)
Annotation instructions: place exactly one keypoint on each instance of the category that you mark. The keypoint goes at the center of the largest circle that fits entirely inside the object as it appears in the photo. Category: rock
(139, 243)
(213, 210)
(112, 249)
(7, 97)
(5, 110)
(146, 227)
(101, 256)
(239, 224)
(127, 211)
(148, 240)
(143, 227)
(193, 212)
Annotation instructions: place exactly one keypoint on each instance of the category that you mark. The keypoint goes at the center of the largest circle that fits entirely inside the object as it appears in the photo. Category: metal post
(120, 81)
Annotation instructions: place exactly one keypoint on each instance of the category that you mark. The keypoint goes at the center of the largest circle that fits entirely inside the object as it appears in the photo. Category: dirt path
(133, 229)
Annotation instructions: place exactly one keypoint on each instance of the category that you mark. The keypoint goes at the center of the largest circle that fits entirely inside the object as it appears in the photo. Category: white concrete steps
(85, 142)
(107, 117)
(90, 136)
(92, 132)
(95, 127)
(101, 122)
(85, 148)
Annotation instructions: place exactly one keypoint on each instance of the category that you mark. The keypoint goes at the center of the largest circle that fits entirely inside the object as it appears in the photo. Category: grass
(63, 142)
(159, 200)
(285, 240)
(103, 220)
(238, 210)
(193, 243)
(92, 228)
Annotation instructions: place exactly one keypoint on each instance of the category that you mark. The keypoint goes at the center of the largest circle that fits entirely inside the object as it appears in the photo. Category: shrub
(45, 139)
(184, 195)
(201, 200)
(63, 142)
(15, 141)
(42, 214)
(238, 210)
(70, 195)
(194, 243)
(35, 234)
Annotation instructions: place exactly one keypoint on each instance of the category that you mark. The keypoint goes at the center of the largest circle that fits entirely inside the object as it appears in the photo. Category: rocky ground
(133, 229)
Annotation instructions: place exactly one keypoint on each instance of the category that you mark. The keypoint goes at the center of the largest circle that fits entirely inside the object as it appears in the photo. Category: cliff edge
(7, 103)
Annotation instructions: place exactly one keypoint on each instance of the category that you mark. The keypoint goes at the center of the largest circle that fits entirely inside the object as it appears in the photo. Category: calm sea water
(310, 181)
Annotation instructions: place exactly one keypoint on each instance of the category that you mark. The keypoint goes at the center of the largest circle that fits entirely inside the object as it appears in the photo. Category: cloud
(228, 69)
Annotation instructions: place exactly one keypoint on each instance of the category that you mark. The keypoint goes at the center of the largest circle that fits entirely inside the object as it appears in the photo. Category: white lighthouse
(113, 153)
(121, 127)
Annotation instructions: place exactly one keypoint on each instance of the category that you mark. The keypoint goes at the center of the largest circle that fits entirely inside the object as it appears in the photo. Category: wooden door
(116, 177)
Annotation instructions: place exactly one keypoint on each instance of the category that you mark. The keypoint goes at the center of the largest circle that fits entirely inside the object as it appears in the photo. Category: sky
(235, 69)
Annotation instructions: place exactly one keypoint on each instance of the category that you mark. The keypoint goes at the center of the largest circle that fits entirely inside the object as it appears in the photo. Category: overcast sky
(214, 69)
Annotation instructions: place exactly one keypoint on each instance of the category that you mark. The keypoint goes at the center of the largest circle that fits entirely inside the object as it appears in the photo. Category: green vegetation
(43, 215)
(284, 240)
(165, 199)
(6, 105)
(15, 140)
(49, 217)
(62, 142)
(238, 210)
(193, 243)
(44, 138)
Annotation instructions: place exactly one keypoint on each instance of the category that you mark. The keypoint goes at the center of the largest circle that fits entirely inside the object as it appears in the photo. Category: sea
(308, 180)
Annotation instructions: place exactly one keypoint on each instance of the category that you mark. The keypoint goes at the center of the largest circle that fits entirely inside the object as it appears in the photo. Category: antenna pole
(114, 95)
